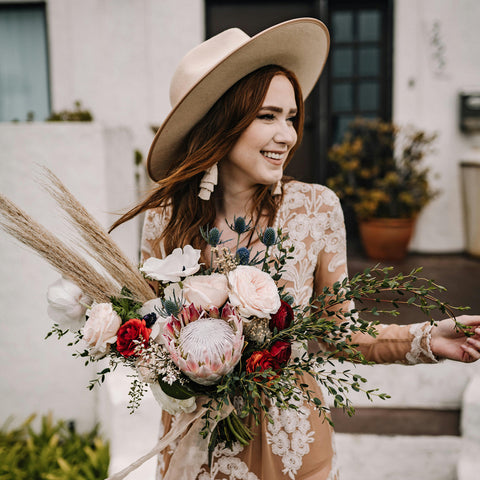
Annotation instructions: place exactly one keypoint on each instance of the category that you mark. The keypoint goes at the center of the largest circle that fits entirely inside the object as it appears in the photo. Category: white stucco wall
(436, 45)
(117, 57)
(96, 164)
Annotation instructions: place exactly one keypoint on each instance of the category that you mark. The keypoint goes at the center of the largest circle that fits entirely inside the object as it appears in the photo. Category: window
(24, 86)
(360, 70)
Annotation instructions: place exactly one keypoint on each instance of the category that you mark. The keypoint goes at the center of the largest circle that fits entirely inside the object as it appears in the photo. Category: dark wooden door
(357, 77)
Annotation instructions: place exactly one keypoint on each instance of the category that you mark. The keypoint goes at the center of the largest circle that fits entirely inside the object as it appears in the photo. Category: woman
(236, 122)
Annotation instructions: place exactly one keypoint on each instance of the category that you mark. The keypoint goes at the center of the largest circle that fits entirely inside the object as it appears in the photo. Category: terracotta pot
(386, 238)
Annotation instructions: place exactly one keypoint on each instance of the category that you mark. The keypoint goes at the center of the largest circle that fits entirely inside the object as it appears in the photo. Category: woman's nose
(285, 134)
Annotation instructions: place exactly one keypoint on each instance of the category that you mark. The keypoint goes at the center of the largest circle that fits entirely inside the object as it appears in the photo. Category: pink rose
(101, 328)
(206, 291)
(253, 292)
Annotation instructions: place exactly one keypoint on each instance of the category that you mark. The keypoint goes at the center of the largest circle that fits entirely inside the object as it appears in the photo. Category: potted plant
(379, 173)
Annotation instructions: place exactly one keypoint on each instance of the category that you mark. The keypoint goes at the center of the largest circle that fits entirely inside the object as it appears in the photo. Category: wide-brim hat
(210, 69)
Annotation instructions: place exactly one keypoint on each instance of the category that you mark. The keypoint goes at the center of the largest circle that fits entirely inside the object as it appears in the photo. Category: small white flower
(67, 304)
(180, 263)
(172, 405)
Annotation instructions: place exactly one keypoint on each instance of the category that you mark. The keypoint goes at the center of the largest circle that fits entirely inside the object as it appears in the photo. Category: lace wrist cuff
(420, 351)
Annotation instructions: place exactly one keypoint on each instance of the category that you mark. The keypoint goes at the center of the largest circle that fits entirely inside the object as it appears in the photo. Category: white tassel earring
(277, 188)
(209, 180)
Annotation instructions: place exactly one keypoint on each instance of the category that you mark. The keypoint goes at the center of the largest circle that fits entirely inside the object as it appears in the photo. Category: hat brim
(300, 45)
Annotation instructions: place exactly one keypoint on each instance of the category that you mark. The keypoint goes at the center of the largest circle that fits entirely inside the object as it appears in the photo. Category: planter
(386, 238)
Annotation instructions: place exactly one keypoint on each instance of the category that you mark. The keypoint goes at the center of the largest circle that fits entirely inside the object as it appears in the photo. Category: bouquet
(214, 344)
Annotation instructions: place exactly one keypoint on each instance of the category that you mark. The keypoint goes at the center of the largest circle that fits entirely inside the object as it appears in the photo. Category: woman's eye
(266, 116)
(291, 119)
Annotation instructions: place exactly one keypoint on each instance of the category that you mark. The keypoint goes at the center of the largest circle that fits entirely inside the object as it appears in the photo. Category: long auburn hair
(210, 141)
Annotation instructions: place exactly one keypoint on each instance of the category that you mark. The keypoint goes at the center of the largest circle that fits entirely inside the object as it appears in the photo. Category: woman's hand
(449, 342)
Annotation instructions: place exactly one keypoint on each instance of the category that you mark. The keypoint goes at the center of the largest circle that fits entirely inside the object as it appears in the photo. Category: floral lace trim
(226, 462)
(313, 218)
(290, 435)
(420, 350)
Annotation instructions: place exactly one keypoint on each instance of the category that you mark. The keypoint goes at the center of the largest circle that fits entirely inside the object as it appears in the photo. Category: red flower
(281, 351)
(133, 329)
(283, 318)
(261, 361)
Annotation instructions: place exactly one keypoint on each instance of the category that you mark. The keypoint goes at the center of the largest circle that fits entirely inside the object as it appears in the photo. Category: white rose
(67, 304)
(172, 405)
(253, 292)
(206, 291)
(101, 328)
(180, 263)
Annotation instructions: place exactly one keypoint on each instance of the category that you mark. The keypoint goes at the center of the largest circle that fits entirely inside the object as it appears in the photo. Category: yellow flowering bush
(379, 171)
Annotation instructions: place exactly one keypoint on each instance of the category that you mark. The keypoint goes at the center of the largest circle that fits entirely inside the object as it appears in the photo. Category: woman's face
(260, 153)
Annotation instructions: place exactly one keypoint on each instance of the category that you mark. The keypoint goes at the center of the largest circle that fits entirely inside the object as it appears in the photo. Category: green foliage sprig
(332, 318)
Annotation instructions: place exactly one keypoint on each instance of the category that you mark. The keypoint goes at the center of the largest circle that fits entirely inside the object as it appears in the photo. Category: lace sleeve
(153, 226)
(394, 343)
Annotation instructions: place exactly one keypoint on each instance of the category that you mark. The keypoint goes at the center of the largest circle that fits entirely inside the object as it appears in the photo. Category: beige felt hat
(210, 69)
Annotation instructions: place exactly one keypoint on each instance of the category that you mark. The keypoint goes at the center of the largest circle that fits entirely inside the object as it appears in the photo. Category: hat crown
(203, 58)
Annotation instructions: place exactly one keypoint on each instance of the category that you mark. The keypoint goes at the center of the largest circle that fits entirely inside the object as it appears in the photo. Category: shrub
(55, 452)
(379, 169)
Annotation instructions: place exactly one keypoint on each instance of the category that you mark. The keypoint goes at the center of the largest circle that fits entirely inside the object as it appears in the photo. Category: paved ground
(460, 274)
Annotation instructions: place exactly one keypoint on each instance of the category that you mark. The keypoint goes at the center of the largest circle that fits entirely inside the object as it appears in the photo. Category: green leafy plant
(379, 169)
(54, 452)
(78, 114)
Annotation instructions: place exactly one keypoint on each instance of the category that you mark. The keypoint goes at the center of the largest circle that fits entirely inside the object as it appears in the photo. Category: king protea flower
(205, 345)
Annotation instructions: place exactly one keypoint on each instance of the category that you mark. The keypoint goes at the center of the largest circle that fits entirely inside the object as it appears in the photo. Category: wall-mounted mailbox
(470, 111)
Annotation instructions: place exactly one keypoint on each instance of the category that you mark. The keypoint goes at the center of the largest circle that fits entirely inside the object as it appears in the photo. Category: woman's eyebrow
(272, 108)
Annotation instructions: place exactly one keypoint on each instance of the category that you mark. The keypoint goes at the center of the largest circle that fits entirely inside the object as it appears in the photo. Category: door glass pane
(368, 95)
(342, 97)
(342, 62)
(369, 26)
(23, 63)
(340, 124)
(342, 27)
(369, 61)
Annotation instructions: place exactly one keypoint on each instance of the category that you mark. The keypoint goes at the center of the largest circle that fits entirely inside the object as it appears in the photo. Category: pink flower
(206, 291)
(204, 348)
(101, 328)
(253, 292)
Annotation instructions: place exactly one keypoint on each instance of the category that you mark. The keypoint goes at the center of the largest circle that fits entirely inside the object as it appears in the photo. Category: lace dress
(299, 445)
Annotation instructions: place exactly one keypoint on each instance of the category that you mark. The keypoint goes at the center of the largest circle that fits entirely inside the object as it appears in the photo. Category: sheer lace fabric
(299, 445)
